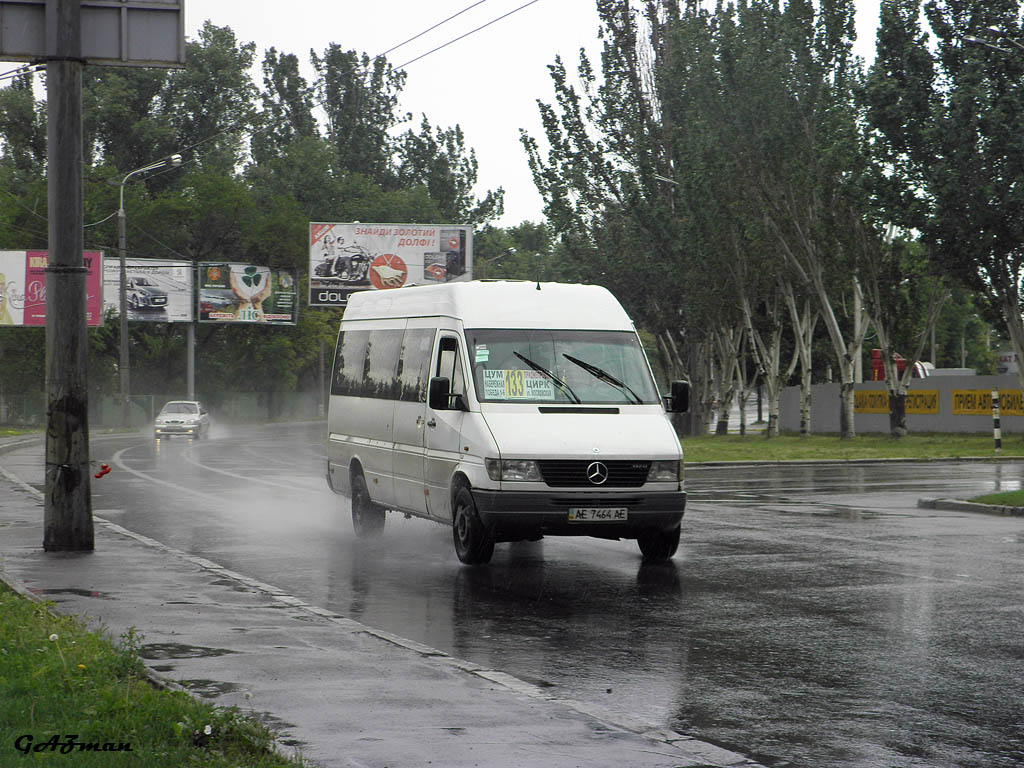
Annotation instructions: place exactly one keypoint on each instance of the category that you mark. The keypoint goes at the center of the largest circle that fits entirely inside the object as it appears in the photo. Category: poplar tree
(976, 174)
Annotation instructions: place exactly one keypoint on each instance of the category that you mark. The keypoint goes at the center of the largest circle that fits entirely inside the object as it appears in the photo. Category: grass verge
(790, 447)
(1005, 499)
(14, 431)
(62, 685)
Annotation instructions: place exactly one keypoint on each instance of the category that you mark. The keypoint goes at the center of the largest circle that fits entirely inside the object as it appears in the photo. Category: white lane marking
(14, 445)
(187, 455)
(21, 483)
(116, 459)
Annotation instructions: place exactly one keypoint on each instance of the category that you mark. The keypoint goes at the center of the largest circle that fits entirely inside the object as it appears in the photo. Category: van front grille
(568, 473)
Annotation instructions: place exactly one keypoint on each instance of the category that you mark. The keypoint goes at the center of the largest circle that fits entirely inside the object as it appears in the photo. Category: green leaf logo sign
(251, 278)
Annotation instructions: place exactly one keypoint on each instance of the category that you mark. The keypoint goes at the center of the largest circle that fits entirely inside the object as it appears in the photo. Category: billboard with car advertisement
(23, 287)
(156, 290)
(344, 258)
(244, 293)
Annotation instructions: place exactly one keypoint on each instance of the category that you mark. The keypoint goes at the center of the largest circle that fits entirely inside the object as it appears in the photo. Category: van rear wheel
(473, 542)
(367, 517)
(658, 545)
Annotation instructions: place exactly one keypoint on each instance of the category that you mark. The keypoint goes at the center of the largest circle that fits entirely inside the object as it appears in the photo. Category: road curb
(827, 462)
(958, 505)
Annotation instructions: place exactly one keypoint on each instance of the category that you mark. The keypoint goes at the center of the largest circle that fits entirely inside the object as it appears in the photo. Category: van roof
(497, 304)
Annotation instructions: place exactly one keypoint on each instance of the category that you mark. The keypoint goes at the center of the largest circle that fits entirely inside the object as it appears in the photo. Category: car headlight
(525, 470)
(670, 471)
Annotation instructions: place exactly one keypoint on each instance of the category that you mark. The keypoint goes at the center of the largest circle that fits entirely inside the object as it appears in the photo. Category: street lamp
(1000, 36)
(171, 161)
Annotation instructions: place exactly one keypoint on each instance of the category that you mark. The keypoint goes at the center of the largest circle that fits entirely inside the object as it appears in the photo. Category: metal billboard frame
(126, 33)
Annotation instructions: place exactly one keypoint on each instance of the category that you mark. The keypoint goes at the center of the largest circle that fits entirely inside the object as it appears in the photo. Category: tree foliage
(757, 197)
(260, 161)
(768, 179)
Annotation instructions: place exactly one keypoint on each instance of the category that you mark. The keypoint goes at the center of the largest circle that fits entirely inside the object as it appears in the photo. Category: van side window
(382, 352)
(450, 366)
(415, 364)
(348, 362)
(366, 363)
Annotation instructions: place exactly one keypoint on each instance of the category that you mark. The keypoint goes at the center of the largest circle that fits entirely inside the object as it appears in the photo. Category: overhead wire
(43, 237)
(17, 200)
(429, 29)
(90, 245)
(97, 223)
(22, 70)
(239, 122)
(140, 230)
(161, 172)
(471, 32)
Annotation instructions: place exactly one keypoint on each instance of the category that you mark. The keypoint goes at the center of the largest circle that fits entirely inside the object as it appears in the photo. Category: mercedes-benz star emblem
(597, 473)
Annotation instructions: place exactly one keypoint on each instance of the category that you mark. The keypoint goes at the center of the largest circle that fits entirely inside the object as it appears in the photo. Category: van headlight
(524, 470)
(665, 471)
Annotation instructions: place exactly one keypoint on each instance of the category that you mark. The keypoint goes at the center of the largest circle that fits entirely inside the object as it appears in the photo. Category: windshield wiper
(545, 372)
(602, 375)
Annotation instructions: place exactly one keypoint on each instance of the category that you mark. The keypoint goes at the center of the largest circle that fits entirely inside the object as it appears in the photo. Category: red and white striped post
(996, 431)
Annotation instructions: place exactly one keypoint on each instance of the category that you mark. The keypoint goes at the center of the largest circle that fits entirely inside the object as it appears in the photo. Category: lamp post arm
(1016, 43)
(987, 43)
(123, 364)
(172, 161)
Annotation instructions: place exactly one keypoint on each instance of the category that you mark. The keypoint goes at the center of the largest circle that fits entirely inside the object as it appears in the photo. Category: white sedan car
(182, 417)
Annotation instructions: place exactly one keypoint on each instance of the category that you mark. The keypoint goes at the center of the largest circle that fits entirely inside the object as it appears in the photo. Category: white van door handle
(432, 423)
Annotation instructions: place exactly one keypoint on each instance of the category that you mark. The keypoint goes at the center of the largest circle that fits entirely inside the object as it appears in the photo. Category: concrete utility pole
(68, 524)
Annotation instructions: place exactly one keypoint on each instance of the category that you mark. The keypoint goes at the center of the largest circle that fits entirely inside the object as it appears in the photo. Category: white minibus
(509, 410)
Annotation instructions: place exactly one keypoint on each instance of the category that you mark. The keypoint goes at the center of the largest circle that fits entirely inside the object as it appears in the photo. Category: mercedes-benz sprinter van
(509, 410)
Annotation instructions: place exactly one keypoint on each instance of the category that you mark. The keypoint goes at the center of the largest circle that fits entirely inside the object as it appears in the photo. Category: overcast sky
(487, 83)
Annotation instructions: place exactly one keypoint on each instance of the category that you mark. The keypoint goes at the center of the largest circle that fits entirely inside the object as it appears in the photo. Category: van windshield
(558, 366)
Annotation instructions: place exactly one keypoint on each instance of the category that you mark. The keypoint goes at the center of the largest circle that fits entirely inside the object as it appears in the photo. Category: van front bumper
(513, 516)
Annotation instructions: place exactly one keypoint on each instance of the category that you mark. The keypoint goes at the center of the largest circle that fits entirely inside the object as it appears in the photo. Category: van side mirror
(438, 393)
(679, 401)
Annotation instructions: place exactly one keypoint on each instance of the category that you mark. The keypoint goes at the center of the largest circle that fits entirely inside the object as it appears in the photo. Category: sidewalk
(339, 692)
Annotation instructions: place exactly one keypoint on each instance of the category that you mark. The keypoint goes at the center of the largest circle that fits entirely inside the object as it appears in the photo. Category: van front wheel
(473, 542)
(658, 545)
(367, 517)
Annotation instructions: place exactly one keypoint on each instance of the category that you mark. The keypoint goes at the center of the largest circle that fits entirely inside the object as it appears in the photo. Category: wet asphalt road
(813, 616)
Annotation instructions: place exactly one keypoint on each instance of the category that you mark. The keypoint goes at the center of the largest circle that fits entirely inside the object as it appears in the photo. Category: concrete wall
(825, 406)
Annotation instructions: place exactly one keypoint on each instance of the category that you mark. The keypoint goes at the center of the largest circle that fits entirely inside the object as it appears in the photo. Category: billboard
(157, 290)
(344, 258)
(141, 33)
(244, 293)
(23, 287)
